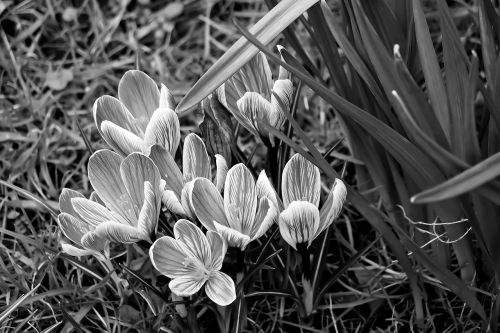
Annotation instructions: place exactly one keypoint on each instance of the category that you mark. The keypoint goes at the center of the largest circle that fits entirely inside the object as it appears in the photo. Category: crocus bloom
(124, 208)
(191, 260)
(142, 116)
(302, 221)
(248, 95)
(244, 214)
(195, 163)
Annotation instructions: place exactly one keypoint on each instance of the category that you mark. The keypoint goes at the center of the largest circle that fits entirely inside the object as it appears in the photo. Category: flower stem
(240, 265)
(306, 263)
(272, 168)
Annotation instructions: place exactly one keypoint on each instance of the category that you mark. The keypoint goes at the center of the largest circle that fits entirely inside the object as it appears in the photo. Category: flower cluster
(132, 181)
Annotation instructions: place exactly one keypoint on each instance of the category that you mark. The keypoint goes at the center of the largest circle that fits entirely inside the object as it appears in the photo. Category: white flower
(141, 117)
(302, 221)
(245, 213)
(191, 260)
(124, 208)
(195, 163)
(248, 95)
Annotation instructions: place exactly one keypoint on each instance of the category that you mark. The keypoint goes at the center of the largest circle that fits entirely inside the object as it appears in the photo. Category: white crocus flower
(244, 214)
(192, 260)
(302, 221)
(248, 95)
(195, 163)
(125, 206)
(141, 116)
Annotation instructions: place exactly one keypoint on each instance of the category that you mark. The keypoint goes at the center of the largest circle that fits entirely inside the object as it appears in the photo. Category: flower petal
(119, 232)
(75, 251)
(186, 285)
(111, 109)
(265, 217)
(140, 94)
(65, 205)
(137, 169)
(196, 242)
(167, 167)
(93, 242)
(170, 200)
(284, 91)
(233, 237)
(253, 106)
(73, 227)
(163, 129)
(121, 140)
(207, 203)
(240, 199)
(333, 205)
(264, 188)
(220, 177)
(148, 216)
(186, 201)
(169, 257)
(94, 213)
(301, 181)
(195, 159)
(104, 175)
(218, 248)
(228, 96)
(254, 76)
(299, 223)
(220, 288)
(166, 98)
(95, 197)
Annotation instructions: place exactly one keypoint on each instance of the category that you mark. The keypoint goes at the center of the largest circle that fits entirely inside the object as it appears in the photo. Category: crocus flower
(195, 163)
(142, 116)
(302, 221)
(124, 208)
(192, 260)
(244, 214)
(248, 95)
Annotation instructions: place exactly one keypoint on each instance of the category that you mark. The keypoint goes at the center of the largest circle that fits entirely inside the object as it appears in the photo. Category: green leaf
(265, 30)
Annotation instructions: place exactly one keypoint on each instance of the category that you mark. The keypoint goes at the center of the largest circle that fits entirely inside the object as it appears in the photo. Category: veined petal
(73, 228)
(119, 232)
(196, 242)
(233, 237)
(148, 216)
(220, 177)
(75, 251)
(218, 248)
(140, 94)
(163, 129)
(333, 205)
(240, 199)
(95, 197)
(228, 96)
(166, 98)
(207, 203)
(186, 200)
(284, 91)
(301, 181)
(186, 285)
(265, 217)
(299, 222)
(93, 242)
(220, 288)
(123, 141)
(94, 213)
(195, 159)
(253, 106)
(65, 205)
(167, 167)
(170, 258)
(135, 170)
(264, 188)
(254, 76)
(170, 200)
(111, 109)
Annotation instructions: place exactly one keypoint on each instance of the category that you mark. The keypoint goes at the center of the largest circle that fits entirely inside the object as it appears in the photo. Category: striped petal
(299, 223)
(111, 109)
(75, 251)
(167, 167)
(73, 228)
(333, 205)
(301, 181)
(140, 94)
(265, 217)
(170, 258)
(119, 232)
(195, 159)
(233, 237)
(283, 99)
(93, 242)
(240, 199)
(186, 200)
(95, 197)
(253, 106)
(170, 200)
(220, 177)
(196, 242)
(166, 98)
(220, 288)
(228, 96)
(207, 203)
(135, 170)
(254, 76)
(265, 189)
(65, 205)
(218, 248)
(163, 129)
(186, 285)
(121, 140)
(94, 213)
(148, 216)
